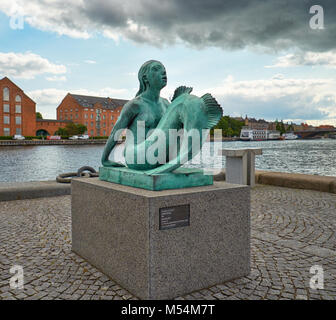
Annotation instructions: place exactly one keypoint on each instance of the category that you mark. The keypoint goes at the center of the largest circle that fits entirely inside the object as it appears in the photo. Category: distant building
(85, 110)
(252, 123)
(326, 126)
(17, 111)
(303, 127)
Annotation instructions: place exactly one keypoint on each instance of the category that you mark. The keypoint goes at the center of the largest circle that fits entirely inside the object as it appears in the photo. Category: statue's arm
(126, 117)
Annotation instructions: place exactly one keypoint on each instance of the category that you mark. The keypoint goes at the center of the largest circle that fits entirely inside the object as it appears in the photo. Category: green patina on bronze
(180, 178)
(186, 111)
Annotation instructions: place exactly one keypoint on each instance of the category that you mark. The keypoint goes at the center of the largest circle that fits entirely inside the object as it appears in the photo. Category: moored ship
(290, 136)
(258, 135)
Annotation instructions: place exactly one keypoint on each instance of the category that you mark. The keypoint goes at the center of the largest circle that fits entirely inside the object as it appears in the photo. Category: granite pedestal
(240, 165)
(162, 244)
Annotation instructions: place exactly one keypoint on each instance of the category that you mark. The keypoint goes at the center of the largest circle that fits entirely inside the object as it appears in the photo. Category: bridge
(308, 134)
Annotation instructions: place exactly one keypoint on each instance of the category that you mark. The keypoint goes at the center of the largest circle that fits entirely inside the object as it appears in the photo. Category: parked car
(18, 137)
(74, 138)
(84, 137)
(53, 137)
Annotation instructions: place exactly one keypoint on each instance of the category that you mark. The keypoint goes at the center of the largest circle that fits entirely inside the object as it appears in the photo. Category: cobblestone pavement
(292, 230)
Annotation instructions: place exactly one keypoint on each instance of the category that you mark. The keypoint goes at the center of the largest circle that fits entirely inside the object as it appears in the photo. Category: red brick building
(48, 127)
(18, 113)
(85, 110)
(17, 110)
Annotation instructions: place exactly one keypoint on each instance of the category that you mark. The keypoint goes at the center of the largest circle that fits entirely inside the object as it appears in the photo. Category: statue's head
(152, 74)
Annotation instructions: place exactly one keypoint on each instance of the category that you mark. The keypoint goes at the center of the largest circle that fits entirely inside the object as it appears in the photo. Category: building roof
(90, 101)
(22, 92)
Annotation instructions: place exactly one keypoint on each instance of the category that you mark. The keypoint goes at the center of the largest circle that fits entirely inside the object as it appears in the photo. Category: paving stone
(291, 230)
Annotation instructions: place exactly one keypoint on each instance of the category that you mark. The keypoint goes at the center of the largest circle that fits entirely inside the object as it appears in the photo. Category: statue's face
(157, 76)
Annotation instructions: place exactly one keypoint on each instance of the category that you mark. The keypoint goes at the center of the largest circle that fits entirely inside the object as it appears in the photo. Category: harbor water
(37, 163)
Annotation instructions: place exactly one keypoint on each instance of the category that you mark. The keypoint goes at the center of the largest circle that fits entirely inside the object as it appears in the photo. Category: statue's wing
(180, 90)
(212, 110)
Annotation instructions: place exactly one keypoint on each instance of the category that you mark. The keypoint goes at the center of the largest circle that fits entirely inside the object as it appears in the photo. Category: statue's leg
(136, 156)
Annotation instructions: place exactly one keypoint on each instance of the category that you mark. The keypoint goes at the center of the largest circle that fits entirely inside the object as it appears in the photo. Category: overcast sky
(259, 58)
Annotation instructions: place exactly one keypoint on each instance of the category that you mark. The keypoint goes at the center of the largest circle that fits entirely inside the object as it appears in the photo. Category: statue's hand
(109, 163)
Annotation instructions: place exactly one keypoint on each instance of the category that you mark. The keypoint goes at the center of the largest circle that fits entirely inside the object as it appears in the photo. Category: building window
(86, 124)
(70, 110)
(61, 111)
(6, 94)
(18, 98)
(85, 116)
(76, 115)
(104, 132)
(6, 107)
(104, 117)
(91, 116)
(60, 117)
(65, 117)
(6, 132)
(104, 124)
(70, 116)
(18, 120)
(18, 131)
(17, 108)
(91, 123)
(91, 132)
(6, 119)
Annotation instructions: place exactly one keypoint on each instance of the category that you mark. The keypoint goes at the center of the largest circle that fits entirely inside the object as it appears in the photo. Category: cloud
(230, 24)
(90, 61)
(47, 100)
(309, 58)
(27, 65)
(292, 99)
(55, 78)
(278, 97)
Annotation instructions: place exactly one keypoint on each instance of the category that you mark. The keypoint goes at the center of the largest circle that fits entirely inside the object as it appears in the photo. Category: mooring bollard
(240, 165)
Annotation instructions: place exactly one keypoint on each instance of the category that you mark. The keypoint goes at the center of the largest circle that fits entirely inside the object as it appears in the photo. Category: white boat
(273, 135)
(258, 135)
(246, 135)
(290, 136)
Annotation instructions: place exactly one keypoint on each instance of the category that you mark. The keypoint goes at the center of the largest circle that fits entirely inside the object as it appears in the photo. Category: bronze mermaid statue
(158, 119)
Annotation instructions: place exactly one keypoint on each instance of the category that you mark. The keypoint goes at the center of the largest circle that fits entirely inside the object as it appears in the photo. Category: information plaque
(174, 217)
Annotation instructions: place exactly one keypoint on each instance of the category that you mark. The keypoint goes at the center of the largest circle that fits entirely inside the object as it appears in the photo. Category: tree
(71, 129)
(62, 132)
(290, 127)
(229, 126)
(39, 115)
(81, 128)
(280, 127)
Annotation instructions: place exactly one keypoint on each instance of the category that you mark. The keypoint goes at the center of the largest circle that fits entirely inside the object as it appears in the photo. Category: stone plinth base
(162, 244)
